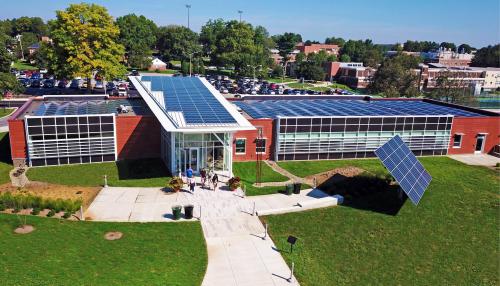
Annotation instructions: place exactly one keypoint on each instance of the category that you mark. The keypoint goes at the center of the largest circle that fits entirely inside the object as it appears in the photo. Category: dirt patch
(113, 235)
(52, 191)
(24, 229)
(335, 175)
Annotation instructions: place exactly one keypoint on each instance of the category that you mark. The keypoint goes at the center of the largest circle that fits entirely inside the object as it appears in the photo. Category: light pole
(188, 6)
(19, 38)
(253, 67)
(190, 59)
(240, 12)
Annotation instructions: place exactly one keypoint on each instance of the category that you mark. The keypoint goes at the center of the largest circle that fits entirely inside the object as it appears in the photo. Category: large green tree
(5, 58)
(210, 34)
(285, 43)
(396, 77)
(450, 88)
(178, 43)
(362, 51)
(85, 41)
(487, 57)
(138, 35)
(9, 83)
(335, 41)
(420, 46)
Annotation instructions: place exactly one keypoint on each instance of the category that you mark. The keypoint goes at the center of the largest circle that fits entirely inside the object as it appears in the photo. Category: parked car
(110, 86)
(36, 83)
(99, 85)
(75, 84)
(26, 82)
(135, 73)
(48, 83)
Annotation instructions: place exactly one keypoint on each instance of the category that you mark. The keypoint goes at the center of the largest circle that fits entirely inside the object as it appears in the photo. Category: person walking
(215, 181)
(203, 176)
(192, 184)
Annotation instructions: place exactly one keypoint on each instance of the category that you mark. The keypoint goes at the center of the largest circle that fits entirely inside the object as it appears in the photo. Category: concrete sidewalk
(477, 159)
(238, 254)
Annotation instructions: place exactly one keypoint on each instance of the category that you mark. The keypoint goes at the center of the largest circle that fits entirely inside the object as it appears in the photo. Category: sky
(384, 21)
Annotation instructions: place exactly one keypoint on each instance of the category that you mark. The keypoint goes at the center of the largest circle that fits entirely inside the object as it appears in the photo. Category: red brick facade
(18, 148)
(251, 136)
(138, 137)
(470, 127)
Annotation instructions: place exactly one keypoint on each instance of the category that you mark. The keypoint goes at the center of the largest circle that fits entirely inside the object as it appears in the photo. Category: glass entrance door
(191, 158)
(479, 144)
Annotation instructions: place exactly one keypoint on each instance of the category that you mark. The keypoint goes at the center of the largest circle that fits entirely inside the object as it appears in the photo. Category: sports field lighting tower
(188, 6)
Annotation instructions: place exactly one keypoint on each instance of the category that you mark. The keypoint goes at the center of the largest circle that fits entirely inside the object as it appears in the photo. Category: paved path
(237, 252)
(285, 173)
(477, 160)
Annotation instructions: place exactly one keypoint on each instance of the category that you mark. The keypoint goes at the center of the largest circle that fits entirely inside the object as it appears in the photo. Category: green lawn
(23, 66)
(300, 85)
(306, 168)
(5, 111)
(246, 172)
(280, 80)
(127, 173)
(451, 238)
(168, 71)
(62, 252)
(5, 159)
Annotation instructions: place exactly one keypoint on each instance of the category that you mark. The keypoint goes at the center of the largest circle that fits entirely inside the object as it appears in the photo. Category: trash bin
(296, 188)
(188, 211)
(176, 211)
(289, 189)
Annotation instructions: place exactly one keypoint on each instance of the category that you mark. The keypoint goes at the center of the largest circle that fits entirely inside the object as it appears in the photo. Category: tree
(487, 57)
(310, 71)
(335, 41)
(5, 58)
(25, 24)
(286, 43)
(465, 48)
(309, 42)
(423, 46)
(85, 41)
(453, 89)
(447, 45)
(210, 35)
(138, 36)
(177, 42)
(27, 39)
(345, 58)
(362, 51)
(43, 57)
(9, 83)
(395, 77)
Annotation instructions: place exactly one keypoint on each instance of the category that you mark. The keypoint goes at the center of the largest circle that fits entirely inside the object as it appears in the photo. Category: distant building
(278, 59)
(332, 69)
(33, 48)
(449, 58)
(316, 48)
(157, 64)
(357, 77)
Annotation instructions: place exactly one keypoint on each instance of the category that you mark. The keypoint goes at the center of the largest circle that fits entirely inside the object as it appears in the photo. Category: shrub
(66, 215)
(16, 210)
(234, 183)
(35, 211)
(2, 207)
(175, 184)
(51, 213)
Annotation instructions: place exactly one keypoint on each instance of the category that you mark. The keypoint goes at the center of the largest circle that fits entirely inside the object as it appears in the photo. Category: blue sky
(384, 21)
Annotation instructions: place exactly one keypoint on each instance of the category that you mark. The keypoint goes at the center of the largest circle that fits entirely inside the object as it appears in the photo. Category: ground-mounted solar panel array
(59, 108)
(341, 107)
(405, 168)
(191, 97)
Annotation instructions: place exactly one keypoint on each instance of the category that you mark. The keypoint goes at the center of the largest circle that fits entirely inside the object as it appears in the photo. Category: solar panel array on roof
(341, 107)
(55, 108)
(405, 168)
(191, 97)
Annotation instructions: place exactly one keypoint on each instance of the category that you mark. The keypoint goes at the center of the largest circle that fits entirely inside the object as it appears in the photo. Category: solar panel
(343, 107)
(191, 97)
(405, 168)
(86, 107)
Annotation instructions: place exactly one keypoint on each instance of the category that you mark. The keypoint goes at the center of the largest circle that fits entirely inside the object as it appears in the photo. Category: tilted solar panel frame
(405, 168)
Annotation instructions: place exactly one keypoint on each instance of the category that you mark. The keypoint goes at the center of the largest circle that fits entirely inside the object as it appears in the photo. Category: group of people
(207, 179)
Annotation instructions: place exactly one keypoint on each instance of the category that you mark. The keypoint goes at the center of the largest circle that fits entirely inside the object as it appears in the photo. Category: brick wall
(471, 127)
(18, 147)
(250, 136)
(138, 137)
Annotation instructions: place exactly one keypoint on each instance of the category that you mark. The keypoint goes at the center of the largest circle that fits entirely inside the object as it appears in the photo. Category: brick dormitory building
(187, 122)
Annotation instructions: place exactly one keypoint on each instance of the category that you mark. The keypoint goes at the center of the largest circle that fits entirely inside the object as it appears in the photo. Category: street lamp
(190, 59)
(240, 12)
(188, 6)
(19, 39)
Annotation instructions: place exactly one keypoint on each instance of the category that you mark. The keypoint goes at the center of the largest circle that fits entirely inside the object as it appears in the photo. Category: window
(240, 145)
(260, 145)
(457, 140)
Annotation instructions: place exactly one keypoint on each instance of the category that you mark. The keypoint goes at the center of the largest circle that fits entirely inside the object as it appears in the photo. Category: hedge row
(27, 201)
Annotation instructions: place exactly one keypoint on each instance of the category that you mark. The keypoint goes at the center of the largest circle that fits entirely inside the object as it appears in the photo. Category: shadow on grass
(142, 169)
(5, 149)
(366, 192)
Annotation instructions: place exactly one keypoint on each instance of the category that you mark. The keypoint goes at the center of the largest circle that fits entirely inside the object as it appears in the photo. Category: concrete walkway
(477, 159)
(238, 254)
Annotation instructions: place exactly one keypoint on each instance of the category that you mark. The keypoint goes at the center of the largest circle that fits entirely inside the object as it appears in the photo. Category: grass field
(299, 85)
(246, 172)
(127, 173)
(5, 160)
(306, 168)
(5, 111)
(62, 252)
(450, 238)
(23, 66)
(280, 80)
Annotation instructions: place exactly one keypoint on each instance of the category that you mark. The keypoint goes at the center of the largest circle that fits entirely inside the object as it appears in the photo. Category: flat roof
(347, 107)
(78, 106)
(185, 104)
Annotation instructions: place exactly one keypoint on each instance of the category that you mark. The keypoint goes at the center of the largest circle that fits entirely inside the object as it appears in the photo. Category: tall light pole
(240, 12)
(19, 38)
(188, 6)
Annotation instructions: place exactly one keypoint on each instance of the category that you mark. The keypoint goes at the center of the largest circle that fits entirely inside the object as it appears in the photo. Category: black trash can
(176, 212)
(296, 188)
(289, 189)
(188, 211)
